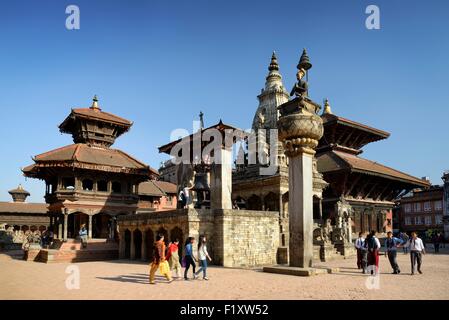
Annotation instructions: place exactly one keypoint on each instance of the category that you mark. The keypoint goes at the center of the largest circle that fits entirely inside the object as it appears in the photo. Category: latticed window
(427, 206)
(428, 220)
(438, 205)
(439, 219)
(407, 207)
(418, 220)
(417, 207)
(408, 221)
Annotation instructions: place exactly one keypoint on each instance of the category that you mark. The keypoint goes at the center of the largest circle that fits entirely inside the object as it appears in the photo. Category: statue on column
(301, 86)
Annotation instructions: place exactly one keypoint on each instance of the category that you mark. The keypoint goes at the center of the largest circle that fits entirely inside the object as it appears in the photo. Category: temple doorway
(137, 234)
(254, 203)
(101, 225)
(127, 244)
(74, 222)
(272, 202)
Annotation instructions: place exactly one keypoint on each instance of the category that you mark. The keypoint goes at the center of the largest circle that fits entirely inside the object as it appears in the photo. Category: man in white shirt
(416, 251)
(359, 242)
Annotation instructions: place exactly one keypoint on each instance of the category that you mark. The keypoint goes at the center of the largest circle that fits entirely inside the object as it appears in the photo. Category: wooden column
(66, 216)
(122, 245)
(133, 248)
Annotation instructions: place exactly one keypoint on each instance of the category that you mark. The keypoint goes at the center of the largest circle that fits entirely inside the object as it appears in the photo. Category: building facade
(422, 210)
(446, 204)
(21, 215)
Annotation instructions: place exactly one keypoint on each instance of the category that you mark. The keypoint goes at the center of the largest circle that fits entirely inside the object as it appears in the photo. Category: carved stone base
(328, 252)
(282, 255)
(346, 249)
(296, 271)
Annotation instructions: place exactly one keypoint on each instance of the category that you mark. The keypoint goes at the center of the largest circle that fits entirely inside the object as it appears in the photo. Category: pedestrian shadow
(140, 278)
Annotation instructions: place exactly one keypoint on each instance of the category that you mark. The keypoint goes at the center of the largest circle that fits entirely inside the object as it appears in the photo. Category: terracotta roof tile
(82, 153)
(23, 207)
(101, 115)
(167, 187)
(149, 188)
(336, 160)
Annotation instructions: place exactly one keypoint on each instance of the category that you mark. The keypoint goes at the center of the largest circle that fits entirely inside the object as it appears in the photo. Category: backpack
(371, 243)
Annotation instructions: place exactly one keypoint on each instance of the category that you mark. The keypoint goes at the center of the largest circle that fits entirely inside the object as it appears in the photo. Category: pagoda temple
(88, 182)
(361, 192)
(351, 194)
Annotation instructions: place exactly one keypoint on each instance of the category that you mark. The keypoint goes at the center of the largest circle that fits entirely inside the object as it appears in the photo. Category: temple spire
(304, 61)
(327, 107)
(95, 103)
(201, 120)
(19, 194)
(274, 63)
(274, 78)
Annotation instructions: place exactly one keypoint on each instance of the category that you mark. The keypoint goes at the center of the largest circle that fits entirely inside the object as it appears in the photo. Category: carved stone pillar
(221, 180)
(299, 130)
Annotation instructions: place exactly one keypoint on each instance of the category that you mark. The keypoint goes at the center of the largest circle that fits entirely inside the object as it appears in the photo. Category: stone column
(59, 228)
(221, 180)
(133, 248)
(89, 232)
(299, 130)
(66, 216)
(301, 210)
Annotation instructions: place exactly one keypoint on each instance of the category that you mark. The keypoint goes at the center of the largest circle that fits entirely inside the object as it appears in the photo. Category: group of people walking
(368, 252)
(167, 260)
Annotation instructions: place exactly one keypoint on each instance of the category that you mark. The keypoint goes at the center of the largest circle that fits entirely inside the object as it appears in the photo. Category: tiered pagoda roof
(337, 156)
(82, 156)
(93, 131)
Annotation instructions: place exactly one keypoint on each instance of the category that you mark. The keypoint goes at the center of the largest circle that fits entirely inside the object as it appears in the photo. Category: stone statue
(301, 86)
(261, 119)
(327, 231)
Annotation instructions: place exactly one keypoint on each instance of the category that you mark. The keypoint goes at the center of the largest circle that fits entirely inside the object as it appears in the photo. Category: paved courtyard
(129, 280)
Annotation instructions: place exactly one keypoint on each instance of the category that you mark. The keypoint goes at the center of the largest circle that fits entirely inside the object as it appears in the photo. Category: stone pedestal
(221, 180)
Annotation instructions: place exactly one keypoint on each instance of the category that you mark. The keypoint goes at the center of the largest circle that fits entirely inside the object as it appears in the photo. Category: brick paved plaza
(126, 280)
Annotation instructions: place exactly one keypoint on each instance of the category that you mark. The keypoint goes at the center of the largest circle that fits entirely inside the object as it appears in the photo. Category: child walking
(173, 258)
(203, 256)
(189, 258)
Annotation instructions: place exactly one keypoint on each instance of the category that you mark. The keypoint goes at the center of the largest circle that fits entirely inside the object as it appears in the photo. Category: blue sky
(158, 63)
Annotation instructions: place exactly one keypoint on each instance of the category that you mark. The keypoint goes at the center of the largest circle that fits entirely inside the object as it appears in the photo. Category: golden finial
(327, 107)
(95, 103)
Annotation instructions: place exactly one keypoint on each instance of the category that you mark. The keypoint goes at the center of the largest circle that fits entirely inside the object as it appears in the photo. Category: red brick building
(421, 210)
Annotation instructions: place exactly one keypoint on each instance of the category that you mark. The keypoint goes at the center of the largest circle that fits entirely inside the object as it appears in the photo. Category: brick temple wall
(236, 238)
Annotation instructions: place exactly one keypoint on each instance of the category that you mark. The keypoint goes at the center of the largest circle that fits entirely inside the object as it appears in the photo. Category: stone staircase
(72, 251)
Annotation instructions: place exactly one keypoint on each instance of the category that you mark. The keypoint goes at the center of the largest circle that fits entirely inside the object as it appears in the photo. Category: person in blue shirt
(391, 245)
(83, 235)
(189, 258)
